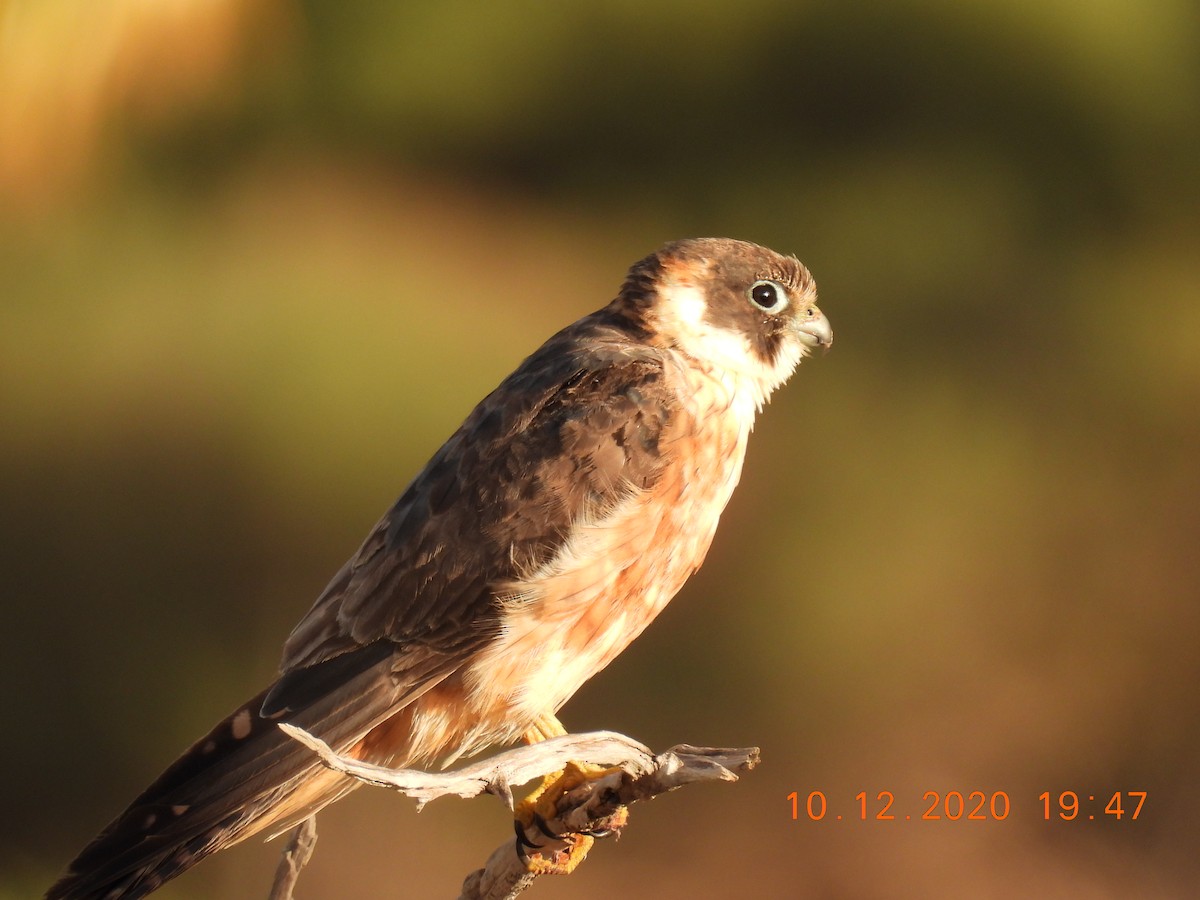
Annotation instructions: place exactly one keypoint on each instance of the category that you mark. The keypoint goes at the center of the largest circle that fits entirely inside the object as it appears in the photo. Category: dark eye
(768, 296)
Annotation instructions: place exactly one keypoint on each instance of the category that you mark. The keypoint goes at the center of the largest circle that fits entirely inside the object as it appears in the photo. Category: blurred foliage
(259, 257)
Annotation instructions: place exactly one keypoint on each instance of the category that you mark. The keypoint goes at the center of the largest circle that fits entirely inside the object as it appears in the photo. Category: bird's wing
(572, 432)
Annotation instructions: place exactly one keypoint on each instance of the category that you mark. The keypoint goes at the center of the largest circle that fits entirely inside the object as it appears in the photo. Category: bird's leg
(542, 805)
(543, 729)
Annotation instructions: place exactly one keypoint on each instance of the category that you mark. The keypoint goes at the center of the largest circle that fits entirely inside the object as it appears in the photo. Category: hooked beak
(814, 330)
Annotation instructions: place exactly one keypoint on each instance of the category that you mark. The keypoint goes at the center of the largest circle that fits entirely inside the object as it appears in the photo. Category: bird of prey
(543, 537)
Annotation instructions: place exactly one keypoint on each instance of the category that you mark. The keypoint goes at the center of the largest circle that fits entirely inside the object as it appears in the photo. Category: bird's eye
(768, 296)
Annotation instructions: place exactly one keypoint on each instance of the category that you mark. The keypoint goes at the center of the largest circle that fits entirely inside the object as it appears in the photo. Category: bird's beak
(814, 330)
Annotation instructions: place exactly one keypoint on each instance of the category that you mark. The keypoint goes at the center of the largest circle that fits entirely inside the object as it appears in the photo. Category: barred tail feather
(244, 776)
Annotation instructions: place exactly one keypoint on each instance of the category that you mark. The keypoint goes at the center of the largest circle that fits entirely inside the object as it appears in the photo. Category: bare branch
(295, 856)
(494, 775)
(595, 806)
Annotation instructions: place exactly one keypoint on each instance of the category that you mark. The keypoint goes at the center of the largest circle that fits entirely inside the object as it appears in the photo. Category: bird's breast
(565, 621)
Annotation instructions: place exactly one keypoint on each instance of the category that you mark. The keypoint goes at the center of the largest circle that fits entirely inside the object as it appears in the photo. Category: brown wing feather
(570, 431)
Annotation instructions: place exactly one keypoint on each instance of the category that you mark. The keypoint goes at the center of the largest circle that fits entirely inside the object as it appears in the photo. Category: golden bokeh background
(258, 258)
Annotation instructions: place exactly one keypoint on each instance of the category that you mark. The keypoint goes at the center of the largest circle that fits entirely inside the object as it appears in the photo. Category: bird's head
(745, 311)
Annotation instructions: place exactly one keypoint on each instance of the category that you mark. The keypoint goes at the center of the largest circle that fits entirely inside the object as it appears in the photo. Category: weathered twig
(299, 848)
(594, 806)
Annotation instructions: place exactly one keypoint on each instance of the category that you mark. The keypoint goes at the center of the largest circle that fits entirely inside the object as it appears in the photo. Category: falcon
(543, 537)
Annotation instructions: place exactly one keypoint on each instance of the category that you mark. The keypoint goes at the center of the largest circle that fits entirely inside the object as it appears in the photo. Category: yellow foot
(541, 806)
(562, 861)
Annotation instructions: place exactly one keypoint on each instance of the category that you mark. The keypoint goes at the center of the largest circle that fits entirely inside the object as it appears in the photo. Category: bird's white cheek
(728, 355)
(684, 314)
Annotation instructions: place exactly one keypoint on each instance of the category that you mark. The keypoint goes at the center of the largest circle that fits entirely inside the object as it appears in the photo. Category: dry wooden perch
(296, 854)
(595, 806)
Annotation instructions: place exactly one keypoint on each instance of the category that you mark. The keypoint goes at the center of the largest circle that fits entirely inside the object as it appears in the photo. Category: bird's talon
(613, 824)
(544, 828)
(523, 841)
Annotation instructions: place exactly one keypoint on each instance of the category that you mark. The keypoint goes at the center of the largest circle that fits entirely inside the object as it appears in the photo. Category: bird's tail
(244, 776)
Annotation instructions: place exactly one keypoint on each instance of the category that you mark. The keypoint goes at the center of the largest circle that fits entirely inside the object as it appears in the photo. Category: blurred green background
(258, 258)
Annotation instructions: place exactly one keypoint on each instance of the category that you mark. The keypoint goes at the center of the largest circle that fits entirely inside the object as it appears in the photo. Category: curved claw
(523, 841)
(544, 828)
